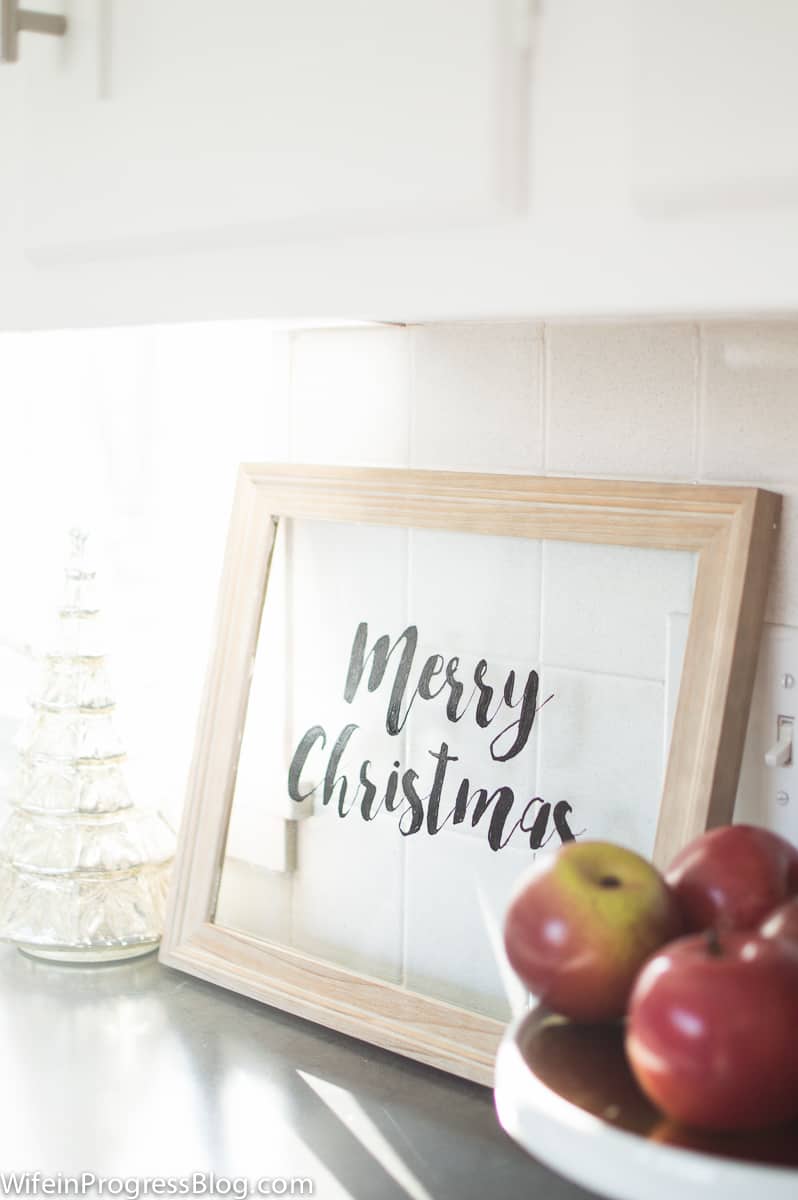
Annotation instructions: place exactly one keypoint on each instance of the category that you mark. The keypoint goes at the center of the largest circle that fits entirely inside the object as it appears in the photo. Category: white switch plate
(759, 786)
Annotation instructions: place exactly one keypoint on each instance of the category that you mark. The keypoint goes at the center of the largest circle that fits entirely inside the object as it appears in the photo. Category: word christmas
(419, 810)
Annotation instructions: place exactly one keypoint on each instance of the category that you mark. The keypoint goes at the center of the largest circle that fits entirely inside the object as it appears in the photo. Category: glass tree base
(88, 954)
(85, 916)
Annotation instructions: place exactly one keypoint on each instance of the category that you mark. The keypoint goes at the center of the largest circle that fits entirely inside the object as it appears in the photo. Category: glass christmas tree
(83, 872)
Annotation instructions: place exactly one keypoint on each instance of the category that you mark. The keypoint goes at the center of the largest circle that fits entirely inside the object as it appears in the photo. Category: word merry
(428, 689)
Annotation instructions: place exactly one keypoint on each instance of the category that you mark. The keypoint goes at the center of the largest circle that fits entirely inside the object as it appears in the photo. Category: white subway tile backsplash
(427, 910)
(621, 400)
(605, 608)
(348, 894)
(255, 900)
(750, 405)
(472, 594)
(163, 418)
(343, 575)
(350, 397)
(631, 399)
(601, 751)
(476, 397)
(457, 892)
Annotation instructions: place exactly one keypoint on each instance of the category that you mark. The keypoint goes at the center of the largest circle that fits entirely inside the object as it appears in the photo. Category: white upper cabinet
(400, 160)
(715, 126)
(163, 126)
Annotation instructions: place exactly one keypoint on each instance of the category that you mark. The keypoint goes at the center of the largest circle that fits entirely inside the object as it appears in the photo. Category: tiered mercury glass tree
(83, 873)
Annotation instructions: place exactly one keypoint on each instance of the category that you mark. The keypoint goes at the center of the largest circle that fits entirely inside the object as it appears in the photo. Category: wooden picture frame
(730, 528)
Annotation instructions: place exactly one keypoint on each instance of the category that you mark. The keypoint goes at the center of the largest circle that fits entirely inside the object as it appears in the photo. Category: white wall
(677, 402)
(139, 431)
(660, 401)
(135, 434)
(680, 402)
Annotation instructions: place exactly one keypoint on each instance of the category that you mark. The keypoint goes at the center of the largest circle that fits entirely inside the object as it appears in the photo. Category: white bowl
(604, 1136)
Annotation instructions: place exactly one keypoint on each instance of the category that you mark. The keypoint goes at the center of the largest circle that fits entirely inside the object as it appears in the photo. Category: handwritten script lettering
(438, 796)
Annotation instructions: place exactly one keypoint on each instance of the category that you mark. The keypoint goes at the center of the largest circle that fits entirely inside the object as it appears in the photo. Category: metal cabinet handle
(14, 19)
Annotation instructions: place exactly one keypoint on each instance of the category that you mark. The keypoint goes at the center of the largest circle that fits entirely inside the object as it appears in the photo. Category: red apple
(582, 923)
(732, 877)
(711, 1031)
(782, 922)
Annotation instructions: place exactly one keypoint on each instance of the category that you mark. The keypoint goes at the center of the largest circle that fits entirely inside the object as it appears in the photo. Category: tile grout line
(411, 393)
(544, 394)
(699, 402)
(290, 698)
(289, 398)
(403, 758)
(411, 412)
(543, 397)
(288, 382)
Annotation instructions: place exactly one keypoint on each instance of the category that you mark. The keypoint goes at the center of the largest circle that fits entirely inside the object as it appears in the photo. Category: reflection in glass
(429, 711)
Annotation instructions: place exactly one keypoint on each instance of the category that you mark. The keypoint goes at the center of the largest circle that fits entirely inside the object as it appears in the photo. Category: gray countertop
(134, 1071)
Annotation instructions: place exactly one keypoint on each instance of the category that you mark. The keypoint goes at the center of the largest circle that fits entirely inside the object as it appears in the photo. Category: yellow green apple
(582, 923)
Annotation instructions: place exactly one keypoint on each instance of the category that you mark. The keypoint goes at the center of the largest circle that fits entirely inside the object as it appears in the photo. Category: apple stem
(714, 948)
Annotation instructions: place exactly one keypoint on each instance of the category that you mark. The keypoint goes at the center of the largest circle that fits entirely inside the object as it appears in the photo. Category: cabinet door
(194, 123)
(11, 219)
(713, 89)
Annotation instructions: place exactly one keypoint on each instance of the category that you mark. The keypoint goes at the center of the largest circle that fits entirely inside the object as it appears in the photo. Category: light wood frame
(730, 528)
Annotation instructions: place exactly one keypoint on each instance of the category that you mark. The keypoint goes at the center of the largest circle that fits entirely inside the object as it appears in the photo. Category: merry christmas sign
(420, 682)
(437, 796)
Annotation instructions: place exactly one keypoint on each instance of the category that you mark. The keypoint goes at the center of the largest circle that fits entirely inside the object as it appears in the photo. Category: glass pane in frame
(429, 711)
